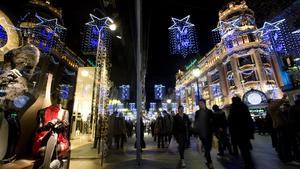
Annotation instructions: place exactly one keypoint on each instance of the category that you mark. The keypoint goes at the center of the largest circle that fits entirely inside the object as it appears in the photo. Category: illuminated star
(50, 23)
(7, 26)
(296, 31)
(269, 27)
(181, 24)
(99, 23)
(225, 27)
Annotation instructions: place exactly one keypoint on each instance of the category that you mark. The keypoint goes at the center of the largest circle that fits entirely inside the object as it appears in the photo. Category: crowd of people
(233, 131)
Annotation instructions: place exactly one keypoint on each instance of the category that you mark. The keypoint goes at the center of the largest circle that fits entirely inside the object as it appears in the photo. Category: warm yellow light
(113, 27)
(196, 72)
(84, 73)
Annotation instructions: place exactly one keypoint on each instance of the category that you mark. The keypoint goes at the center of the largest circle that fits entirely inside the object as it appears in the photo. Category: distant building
(240, 64)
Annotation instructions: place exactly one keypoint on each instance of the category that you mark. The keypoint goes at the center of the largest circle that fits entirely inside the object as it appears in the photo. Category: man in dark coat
(241, 129)
(180, 132)
(204, 128)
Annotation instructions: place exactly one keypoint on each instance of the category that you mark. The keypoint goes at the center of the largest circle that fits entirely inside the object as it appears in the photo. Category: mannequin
(19, 65)
(46, 119)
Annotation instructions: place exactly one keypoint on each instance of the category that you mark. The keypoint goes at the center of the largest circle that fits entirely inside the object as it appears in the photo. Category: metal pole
(198, 92)
(138, 81)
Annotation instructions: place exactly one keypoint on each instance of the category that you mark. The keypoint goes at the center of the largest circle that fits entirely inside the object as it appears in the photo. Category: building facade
(240, 62)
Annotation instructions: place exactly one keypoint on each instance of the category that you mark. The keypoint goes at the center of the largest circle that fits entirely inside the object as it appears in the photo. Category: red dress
(41, 136)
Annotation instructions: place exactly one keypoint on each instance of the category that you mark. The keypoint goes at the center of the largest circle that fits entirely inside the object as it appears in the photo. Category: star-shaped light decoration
(226, 26)
(7, 27)
(269, 27)
(98, 23)
(50, 23)
(296, 31)
(181, 24)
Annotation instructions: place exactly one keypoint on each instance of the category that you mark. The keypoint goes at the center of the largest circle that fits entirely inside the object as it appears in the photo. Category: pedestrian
(282, 124)
(181, 132)
(120, 131)
(204, 128)
(295, 126)
(168, 126)
(241, 129)
(160, 128)
(220, 125)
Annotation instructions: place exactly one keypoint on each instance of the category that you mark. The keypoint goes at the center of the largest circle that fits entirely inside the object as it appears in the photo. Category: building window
(245, 39)
(228, 67)
(230, 80)
(245, 60)
(215, 77)
(248, 76)
(216, 89)
(264, 58)
(251, 37)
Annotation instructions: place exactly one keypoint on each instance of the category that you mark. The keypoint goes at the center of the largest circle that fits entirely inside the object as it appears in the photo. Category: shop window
(240, 40)
(230, 80)
(245, 60)
(249, 75)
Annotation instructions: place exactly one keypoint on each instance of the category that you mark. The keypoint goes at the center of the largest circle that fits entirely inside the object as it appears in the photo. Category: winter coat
(160, 126)
(241, 125)
(169, 124)
(275, 112)
(220, 120)
(180, 126)
(203, 124)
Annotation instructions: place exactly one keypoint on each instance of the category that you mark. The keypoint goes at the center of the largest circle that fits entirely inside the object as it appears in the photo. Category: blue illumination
(64, 92)
(132, 106)
(159, 92)
(51, 23)
(183, 40)
(269, 27)
(93, 29)
(125, 92)
(3, 37)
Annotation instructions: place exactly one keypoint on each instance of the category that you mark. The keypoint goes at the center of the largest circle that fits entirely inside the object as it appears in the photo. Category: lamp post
(196, 73)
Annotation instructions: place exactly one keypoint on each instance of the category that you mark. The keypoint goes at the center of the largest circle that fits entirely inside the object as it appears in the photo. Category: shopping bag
(173, 146)
(199, 146)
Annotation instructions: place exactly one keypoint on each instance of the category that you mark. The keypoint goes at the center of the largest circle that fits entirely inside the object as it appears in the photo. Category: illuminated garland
(183, 40)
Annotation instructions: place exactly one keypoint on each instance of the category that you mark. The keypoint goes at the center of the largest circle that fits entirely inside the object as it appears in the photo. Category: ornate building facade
(240, 62)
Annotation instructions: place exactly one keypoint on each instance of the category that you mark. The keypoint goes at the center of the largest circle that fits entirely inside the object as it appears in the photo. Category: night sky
(162, 66)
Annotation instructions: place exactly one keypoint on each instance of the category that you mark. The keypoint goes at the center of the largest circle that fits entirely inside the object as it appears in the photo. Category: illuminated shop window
(245, 60)
(216, 89)
(230, 80)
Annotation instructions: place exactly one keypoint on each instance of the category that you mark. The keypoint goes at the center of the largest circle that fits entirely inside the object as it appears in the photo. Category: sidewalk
(263, 154)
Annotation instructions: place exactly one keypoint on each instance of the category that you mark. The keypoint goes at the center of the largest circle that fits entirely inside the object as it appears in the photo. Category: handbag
(173, 146)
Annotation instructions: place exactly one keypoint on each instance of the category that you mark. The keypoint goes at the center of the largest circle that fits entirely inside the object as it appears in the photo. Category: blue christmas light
(93, 30)
(183, 40)
(132, 106)
(125, 92)
(51, 23)
(269, 27)
(64, 91)
(3, 37)
(159, 91)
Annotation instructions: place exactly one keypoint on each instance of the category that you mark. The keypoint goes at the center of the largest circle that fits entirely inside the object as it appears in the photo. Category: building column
(223, 82)
(259, 70)
(236, 74)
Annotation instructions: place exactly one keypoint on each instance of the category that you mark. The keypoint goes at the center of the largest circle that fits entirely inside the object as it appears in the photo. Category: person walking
(181, 132)
(160, 130)
(168, 126)
(204, 128)
(241, 129)
(120, 131)
(220, 125)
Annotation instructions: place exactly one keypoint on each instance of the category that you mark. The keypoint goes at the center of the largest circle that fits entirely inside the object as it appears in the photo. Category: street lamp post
(196, 73)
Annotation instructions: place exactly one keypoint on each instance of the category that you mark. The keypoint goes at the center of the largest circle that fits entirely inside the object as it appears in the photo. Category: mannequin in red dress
(46, 119)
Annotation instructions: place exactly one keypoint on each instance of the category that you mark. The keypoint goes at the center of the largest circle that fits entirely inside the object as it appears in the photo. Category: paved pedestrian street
(264, 156)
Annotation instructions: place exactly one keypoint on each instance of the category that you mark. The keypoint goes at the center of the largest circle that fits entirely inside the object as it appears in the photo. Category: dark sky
(162, 66)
